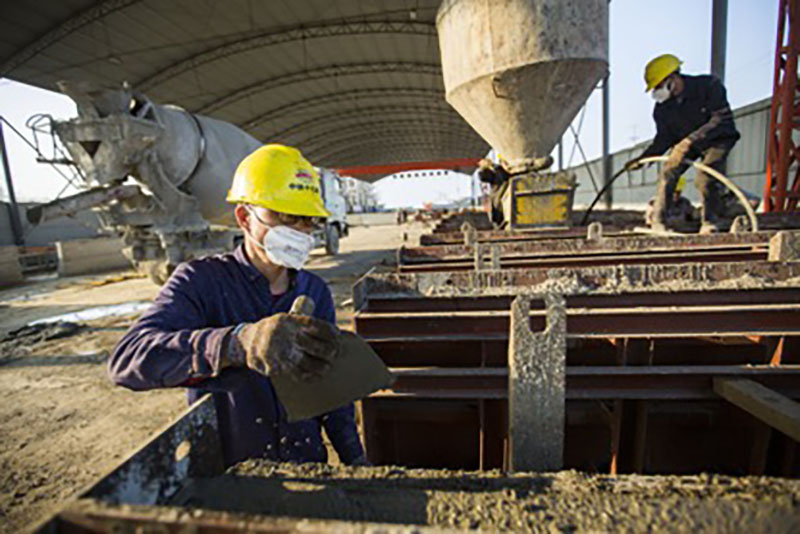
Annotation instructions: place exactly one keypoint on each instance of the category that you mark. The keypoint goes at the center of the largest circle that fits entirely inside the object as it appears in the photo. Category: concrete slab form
(616, 223)
(640, 363)
(151, 489)
(579, 252)
(626, 219)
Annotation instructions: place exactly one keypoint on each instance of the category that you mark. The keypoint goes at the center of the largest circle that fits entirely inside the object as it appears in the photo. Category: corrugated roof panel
(216, 56)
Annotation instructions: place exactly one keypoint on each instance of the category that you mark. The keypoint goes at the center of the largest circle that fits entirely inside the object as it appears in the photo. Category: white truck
(158, 176)
(335, 225)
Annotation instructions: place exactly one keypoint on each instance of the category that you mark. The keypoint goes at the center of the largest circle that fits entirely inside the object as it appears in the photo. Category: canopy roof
(348, 82)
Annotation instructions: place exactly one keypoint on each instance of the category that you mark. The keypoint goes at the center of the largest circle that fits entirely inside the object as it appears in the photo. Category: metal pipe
(609, 195)
(719, 38)
(561, 153)
(13, 208)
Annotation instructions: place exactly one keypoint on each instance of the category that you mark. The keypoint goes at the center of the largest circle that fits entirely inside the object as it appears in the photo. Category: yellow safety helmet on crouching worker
(278, 178)
(659, 68)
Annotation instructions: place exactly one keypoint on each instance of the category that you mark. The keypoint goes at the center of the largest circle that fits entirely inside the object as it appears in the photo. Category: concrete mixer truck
(158, 176)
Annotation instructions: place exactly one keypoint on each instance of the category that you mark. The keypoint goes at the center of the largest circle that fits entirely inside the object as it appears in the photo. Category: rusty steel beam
(500, 236)
(587, 260)
(448, 232)
(653, 322)
(546, 249)
(696, 297)
(647, 278)
(574, 253)
(664, 382)
(392, 168)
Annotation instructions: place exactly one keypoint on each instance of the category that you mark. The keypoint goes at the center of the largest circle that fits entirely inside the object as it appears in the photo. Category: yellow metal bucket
(540, 201)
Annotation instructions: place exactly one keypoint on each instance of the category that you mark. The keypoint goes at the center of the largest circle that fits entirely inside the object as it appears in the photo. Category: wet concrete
(566, 501)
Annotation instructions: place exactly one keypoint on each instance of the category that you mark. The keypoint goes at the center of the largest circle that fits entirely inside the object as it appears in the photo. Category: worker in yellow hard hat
(694, 119)
(220, 324)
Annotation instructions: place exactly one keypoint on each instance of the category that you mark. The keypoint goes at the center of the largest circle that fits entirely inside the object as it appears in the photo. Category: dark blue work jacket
(178, 341)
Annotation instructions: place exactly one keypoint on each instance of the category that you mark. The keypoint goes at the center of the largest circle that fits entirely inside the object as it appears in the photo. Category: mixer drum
(518, 71)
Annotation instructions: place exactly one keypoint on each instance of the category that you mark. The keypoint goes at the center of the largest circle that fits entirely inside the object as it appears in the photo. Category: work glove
(634, 165)
(297, 346)
(679, 151)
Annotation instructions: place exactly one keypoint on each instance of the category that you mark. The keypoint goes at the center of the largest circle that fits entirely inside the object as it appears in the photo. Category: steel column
(609, 194)
(719, 38)
(13, 208)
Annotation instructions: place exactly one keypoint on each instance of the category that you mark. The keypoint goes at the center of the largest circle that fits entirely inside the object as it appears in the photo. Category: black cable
(600, 194)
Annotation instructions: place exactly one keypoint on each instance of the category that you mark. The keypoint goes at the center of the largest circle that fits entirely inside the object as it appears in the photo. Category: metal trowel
(356, 372)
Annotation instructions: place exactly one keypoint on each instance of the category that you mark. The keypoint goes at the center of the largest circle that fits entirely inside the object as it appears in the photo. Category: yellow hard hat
(681, 184)
(659, 68)
(278, 178)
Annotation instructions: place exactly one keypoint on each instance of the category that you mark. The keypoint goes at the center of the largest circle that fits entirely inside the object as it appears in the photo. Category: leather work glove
(634, 165)
(283, 344)
(679, 151)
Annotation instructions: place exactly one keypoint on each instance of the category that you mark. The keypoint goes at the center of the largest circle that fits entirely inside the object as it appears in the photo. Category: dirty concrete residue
(564, 501)
(605, 280)
(19, 341)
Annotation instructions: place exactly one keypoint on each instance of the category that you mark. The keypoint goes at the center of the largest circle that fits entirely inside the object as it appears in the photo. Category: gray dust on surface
(492, 500)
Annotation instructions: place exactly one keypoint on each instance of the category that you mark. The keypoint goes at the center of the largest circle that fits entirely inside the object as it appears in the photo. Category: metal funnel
(518, 71)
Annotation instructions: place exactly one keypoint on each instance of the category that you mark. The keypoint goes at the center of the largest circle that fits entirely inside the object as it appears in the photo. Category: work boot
(658, 217)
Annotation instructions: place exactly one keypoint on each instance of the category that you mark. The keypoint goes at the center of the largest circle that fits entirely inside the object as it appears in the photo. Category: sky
(639, 31)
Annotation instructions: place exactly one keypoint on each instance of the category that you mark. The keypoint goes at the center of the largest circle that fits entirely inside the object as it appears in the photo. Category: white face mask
(285, 246)
(663, 93)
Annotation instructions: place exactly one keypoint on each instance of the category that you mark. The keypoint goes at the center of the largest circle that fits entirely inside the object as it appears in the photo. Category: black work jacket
(689, 114)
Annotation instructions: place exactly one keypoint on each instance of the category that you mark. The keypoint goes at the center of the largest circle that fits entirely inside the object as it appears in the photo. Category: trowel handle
(302, 305)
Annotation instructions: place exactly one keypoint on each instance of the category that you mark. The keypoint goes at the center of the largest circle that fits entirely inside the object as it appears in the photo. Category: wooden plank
(762, 435)
(772, 408)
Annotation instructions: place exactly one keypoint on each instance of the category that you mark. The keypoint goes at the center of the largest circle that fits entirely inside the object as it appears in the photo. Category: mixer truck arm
(157, 175)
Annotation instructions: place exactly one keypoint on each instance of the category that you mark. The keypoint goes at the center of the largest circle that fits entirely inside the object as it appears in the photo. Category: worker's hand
(678, 152)
(634, 165)
(283, 344)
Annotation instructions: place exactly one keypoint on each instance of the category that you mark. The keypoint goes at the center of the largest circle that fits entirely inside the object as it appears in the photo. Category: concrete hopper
(518, 71)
